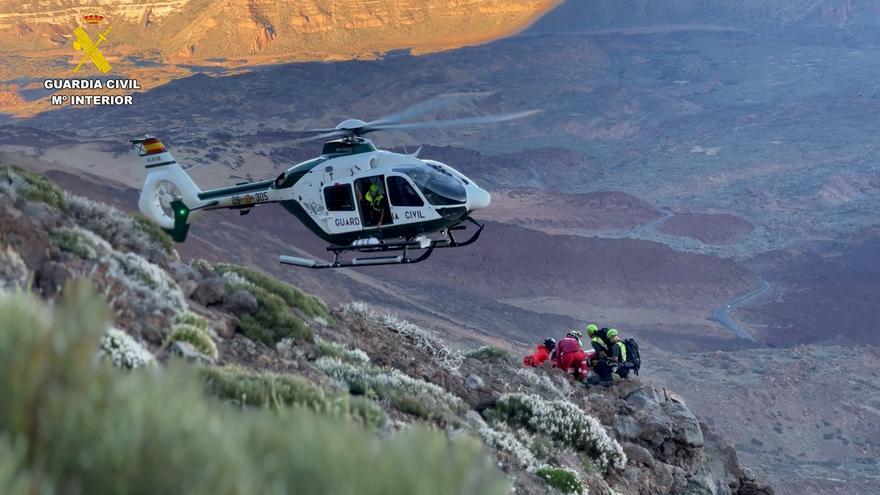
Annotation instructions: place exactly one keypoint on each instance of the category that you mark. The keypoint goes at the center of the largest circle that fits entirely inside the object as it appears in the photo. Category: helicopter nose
(478, 198)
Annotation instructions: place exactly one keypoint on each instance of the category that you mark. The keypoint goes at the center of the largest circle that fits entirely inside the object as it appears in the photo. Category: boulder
(474, 419)
(241, 302)
(626, 428)
(189, 353)
(209, 291)
(685, 427)
(51, 277)
(473, 382)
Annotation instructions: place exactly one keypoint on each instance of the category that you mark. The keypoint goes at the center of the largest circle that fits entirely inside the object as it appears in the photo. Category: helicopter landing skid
(426, 245)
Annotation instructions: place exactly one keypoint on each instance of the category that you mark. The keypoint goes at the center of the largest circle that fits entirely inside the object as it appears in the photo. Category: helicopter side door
(407, 204)
(372, 198)
(342, 214)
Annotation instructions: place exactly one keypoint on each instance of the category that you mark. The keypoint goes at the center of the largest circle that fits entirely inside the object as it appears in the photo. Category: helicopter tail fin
(169, 193)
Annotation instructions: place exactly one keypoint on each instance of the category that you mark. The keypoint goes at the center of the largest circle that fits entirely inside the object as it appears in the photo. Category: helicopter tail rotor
(168, 193)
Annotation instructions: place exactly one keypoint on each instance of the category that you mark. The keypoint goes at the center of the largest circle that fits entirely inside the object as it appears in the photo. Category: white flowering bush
(505, 441)
(233, 279)
(124, 351)
(409, 394)
(120, 229)
(146, 282)
(422, 338)
(140, 279)
(564, 423)
(558, 385)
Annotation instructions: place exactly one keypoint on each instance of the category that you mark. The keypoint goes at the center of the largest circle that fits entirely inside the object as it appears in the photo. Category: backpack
(633, 359)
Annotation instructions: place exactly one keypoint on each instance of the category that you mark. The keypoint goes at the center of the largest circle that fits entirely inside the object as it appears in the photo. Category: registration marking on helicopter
(260, 197)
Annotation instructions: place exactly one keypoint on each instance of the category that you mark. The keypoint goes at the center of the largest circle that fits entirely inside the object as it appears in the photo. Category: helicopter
(395, 207)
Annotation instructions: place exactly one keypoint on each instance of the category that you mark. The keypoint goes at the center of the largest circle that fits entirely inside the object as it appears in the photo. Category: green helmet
(374, 188)
(612, 333)
(592, 329)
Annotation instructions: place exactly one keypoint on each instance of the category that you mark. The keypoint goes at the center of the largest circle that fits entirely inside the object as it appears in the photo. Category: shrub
(123, 351)
(332, 349)
(120, 229)
(558, 385)
(263, 388)
(33, 186)
(87, 428)
(408, 394)
(154, 232)
(194, 336)
(506, 442)
(563, 479)
(189, 318)
(273, 322)
(489, 353)
(295, 298)
(145, 282)
(73, 241)
(14, 479)
(564, 423)
(259, 388)
(138, 279)
(423, 339)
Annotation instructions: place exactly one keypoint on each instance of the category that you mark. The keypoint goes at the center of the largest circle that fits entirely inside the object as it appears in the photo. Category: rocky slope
(310, 30)
(252, 335)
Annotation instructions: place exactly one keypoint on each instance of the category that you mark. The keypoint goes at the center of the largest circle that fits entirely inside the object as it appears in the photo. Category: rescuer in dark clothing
(614, 360)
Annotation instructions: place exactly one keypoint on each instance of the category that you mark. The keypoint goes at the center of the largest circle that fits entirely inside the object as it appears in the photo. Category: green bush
(81, 426)
(273, 322)
(294, 297)
(332, 349)
(266, 389)
(155, 232)
(194, 336)
(72, 241)
(190, 318)
(564, 480)
(489, 353)
(36, 186)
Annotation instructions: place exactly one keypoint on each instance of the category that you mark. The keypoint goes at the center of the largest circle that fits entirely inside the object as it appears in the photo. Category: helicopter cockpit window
(402, 193)
(439, 187)
(339, 198)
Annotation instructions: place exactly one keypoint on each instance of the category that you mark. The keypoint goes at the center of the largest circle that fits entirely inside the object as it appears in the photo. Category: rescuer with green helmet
(614, 360)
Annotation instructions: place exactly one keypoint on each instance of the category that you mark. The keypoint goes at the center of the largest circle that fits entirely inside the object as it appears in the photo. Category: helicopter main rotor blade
(435, 103)
(486, 119)
(327, 135)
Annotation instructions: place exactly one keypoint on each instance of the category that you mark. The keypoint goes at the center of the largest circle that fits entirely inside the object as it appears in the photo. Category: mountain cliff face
(309, 30)
(264, 344)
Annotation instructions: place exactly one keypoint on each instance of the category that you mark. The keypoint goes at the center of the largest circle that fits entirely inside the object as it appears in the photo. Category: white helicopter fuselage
(331, 194)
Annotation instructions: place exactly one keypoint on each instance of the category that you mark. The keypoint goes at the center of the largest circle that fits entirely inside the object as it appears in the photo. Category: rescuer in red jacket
(542, 353)
(571, 358)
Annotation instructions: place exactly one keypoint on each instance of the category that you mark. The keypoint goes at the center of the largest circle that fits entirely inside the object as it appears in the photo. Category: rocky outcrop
(669, 449)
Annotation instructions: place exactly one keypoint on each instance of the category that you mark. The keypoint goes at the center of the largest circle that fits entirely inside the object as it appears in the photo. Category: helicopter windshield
(438, 186)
